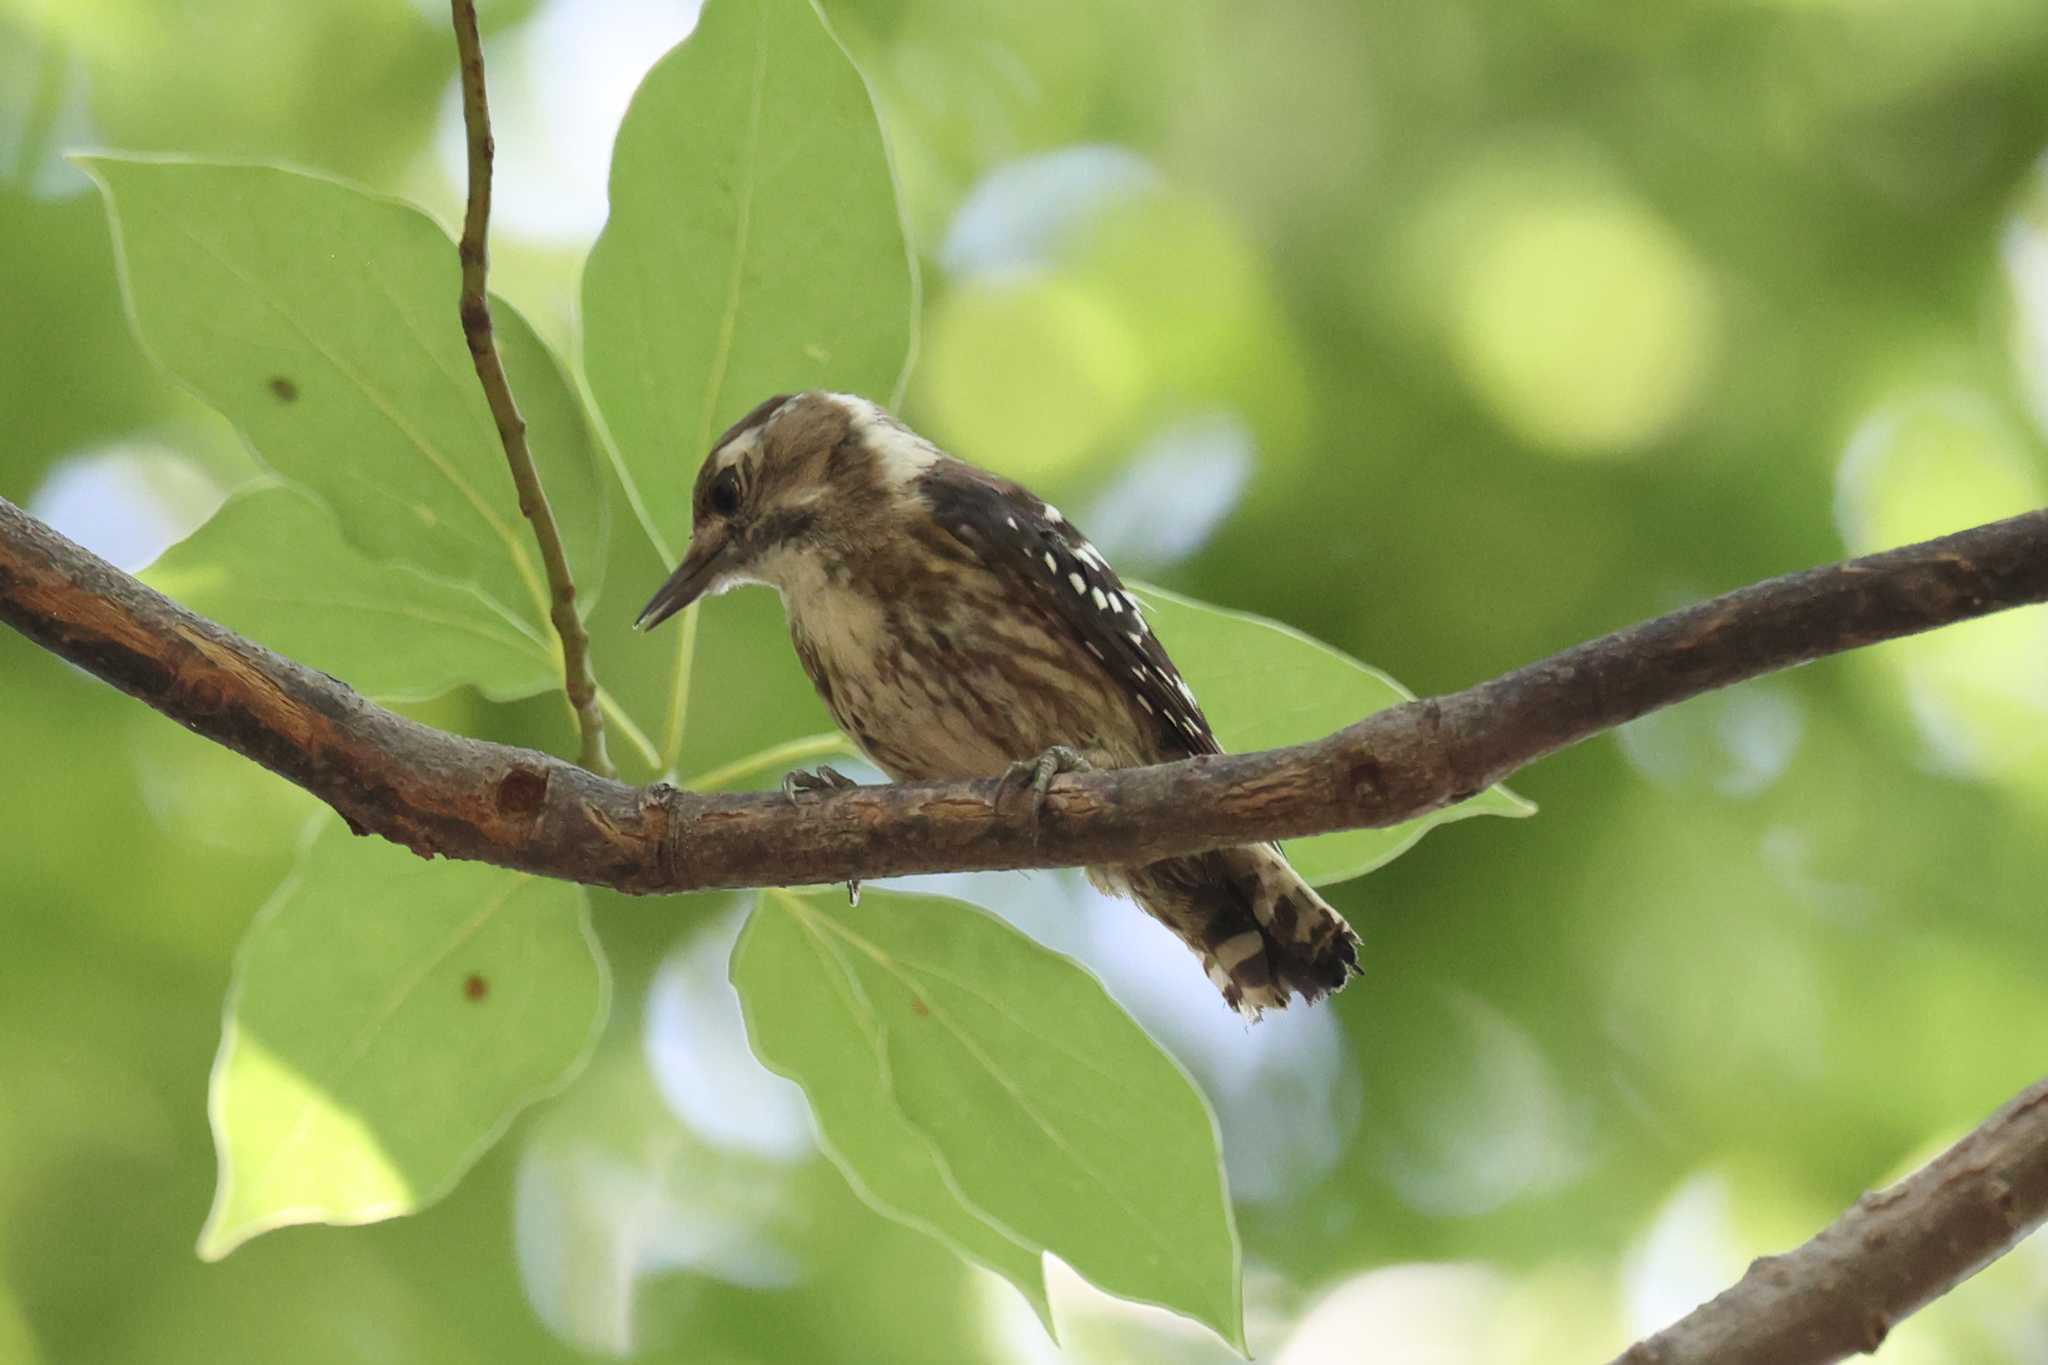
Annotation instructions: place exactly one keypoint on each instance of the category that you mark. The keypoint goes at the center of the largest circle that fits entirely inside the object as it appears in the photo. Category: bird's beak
(701, 566)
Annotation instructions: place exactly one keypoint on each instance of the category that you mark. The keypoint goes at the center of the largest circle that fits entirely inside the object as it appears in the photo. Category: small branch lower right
(1895, 1251)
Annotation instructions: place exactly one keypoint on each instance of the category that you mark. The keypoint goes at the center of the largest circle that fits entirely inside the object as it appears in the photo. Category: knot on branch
(522, 791)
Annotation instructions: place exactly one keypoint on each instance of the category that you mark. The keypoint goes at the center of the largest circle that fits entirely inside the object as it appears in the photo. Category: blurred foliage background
(1452, 334)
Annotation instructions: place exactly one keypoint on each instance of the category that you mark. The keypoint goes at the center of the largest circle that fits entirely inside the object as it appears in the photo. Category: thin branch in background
(1895, 1251)
(578, 680)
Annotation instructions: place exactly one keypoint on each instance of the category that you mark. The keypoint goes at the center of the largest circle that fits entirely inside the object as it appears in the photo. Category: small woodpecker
(958, 626)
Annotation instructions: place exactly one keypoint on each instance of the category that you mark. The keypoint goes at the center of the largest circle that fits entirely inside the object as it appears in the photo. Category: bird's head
(799, 485)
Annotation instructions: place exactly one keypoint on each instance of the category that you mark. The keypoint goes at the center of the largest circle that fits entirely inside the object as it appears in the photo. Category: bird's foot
(824, 779)
(1040, 772)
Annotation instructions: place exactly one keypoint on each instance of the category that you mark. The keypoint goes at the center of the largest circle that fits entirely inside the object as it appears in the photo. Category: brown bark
(1896, 1250)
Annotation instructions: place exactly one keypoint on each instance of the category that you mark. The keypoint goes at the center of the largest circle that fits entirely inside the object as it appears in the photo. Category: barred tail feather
(1262, 933)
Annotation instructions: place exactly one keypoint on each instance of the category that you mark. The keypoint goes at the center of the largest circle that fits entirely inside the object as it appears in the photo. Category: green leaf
(773, 761)
(938, 1044)
(753, 246)
(809, 1019)
(1264, 685)
(388, 1017)
(272, 564)
(322, 322)
(17, 1344)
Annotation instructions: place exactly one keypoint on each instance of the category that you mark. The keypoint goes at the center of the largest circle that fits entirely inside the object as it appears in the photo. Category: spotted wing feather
(1261, 932)
(1030, 542)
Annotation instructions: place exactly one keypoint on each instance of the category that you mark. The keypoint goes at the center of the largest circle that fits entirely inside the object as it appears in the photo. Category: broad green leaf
(16, 1343)
(1046, 1111)
(322, 322)
(809, 1019)
(388, 1017)
(753, 246)
(272, 564)
(1264, 685)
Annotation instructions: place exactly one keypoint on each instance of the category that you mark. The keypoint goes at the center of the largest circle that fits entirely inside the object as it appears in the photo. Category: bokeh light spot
(1734, 743)
(697, 1051)
(1924, 464)
(559, 86)
(1029, 374)
(2025, 252)
(127, 502)
(1485, 1122)
(1582, 322)
(1023, 212)
(1179, 486)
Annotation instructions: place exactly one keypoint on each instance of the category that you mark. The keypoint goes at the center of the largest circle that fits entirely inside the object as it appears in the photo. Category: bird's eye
(725, 493)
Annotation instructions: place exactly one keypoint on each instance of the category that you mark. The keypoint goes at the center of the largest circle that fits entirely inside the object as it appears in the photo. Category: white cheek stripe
(901, 453)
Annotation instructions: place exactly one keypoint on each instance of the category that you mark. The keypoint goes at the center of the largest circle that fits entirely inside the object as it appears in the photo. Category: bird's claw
(1041, 771)
(824, 779)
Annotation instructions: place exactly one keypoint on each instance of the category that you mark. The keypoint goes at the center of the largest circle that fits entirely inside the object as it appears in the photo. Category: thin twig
(577, 677)
(1895, 1251)
(443, 794)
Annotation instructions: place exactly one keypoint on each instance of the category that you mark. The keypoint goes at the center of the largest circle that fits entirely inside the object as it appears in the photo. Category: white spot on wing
(1052, 514)
(1051, 565)
(1101, 602)
(1079, 583)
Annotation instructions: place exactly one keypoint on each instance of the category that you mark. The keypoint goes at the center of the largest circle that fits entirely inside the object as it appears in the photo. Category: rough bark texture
(442, 794)
(1897, 1250)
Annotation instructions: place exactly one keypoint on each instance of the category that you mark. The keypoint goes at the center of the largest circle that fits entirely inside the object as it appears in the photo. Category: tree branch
(577, 677)
(1895, 1251)
(438, 793)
